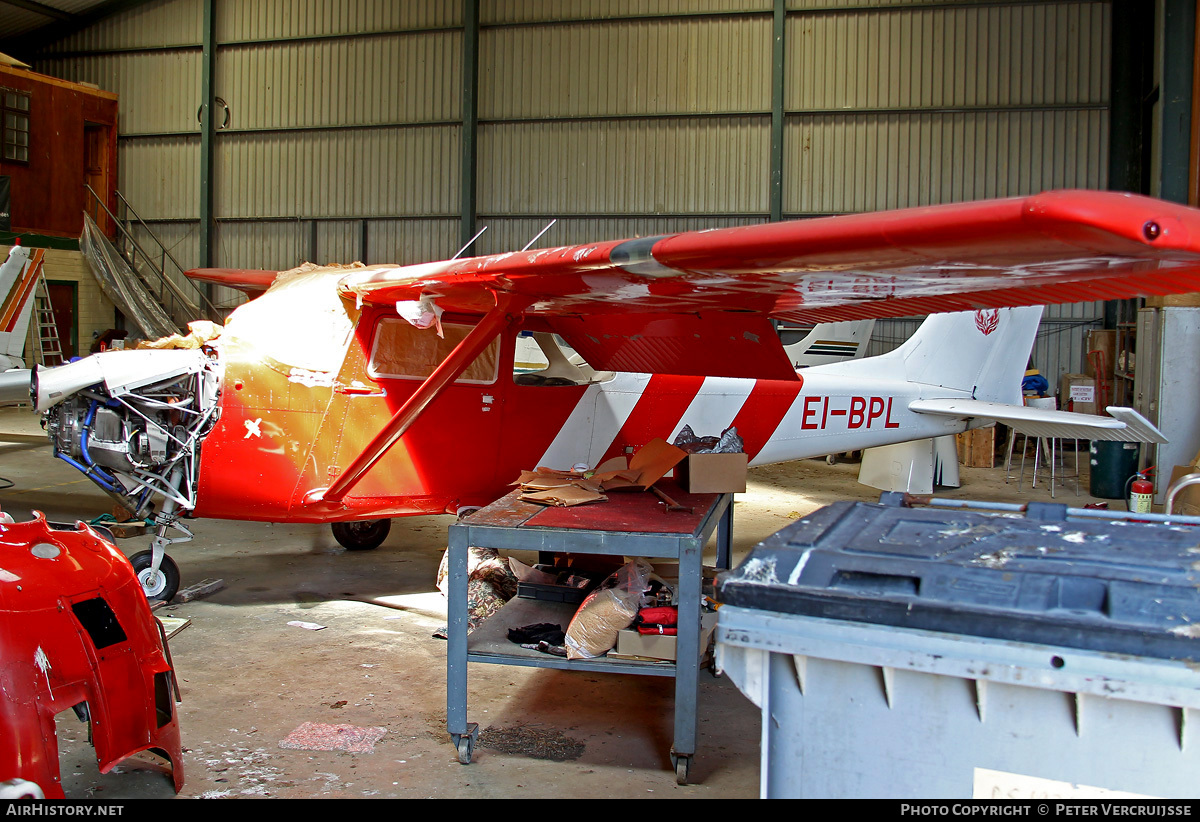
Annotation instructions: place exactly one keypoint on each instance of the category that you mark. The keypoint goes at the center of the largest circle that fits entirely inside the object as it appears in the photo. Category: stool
(1050, 446)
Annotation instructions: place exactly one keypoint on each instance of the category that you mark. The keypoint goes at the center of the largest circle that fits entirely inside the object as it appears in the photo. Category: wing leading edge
(701, 302)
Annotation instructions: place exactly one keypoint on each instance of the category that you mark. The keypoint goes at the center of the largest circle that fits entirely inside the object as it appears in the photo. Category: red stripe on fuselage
(763, 410)
(658, 410)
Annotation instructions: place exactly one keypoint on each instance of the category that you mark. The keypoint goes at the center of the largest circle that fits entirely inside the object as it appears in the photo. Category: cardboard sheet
(547, 486)
(650, 464)
(566, 496)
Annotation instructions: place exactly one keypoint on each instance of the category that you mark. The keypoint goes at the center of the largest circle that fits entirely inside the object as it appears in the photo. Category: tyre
(161, 586)
(363, 535)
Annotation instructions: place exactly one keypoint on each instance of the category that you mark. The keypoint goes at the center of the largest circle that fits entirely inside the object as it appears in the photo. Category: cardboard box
(655, 646)
(712, 473)
(1077, 392)
(668, 571)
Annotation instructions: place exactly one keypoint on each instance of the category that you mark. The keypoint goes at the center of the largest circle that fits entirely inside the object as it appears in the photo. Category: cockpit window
(403, 351)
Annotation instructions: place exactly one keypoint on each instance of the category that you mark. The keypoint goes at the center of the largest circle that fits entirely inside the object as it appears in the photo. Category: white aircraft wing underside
(1125, 424)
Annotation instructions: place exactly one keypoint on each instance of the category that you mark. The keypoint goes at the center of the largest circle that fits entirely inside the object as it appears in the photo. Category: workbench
(630, 524)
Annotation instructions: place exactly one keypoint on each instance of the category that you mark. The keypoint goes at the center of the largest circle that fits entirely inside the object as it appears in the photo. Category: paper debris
(173, 625)
(318, 736)
(312, 626)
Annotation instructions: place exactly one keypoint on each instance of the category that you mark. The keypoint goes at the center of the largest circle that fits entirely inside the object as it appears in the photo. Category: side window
(14, 119)
(546, 359)
(402, 351)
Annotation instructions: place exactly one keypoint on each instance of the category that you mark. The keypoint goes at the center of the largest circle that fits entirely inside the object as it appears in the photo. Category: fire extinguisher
(1141, 492)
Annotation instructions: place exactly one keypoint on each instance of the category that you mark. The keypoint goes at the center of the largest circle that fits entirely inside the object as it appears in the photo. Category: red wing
(250, 280)
(1057, 247)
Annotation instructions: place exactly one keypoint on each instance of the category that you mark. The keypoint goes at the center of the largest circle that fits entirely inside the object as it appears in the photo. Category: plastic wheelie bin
(920, 653)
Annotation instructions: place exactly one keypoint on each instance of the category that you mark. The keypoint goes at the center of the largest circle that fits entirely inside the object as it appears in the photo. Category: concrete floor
(249, 679)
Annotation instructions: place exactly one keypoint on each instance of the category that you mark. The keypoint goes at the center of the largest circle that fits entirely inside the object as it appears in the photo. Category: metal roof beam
(40, 8)
(26, 46)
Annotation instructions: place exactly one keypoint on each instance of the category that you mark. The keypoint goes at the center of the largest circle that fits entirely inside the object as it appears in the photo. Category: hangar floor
(249, 679)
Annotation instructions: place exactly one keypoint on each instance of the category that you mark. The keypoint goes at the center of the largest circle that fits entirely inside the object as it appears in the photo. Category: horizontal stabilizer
(1125, 424)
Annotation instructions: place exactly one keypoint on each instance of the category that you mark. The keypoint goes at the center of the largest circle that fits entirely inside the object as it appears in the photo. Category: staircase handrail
(212, 311)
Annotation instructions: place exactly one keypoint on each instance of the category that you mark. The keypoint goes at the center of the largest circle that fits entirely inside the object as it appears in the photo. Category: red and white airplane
(352, 395)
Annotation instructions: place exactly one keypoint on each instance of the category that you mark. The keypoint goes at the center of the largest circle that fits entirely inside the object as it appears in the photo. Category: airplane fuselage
(285, 433)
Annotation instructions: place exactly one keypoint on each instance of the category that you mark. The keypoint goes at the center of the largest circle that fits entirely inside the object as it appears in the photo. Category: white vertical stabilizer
(984, 353)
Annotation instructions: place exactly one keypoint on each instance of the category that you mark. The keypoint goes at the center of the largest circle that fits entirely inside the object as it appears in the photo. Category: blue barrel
(1112, 464)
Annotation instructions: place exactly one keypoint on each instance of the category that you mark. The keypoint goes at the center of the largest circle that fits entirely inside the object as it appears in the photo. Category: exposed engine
(133, 423)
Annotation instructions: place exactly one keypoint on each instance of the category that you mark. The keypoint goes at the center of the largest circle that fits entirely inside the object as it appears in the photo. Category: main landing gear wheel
(161, 585)
(363, 535)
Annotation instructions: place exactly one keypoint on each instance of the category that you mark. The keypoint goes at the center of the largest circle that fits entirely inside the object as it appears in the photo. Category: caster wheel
(157, 586)
(464, 750)
(831, 459)
(681, 770)
(363, 535)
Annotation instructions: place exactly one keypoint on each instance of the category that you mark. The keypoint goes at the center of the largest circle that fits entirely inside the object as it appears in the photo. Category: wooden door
(96, 173)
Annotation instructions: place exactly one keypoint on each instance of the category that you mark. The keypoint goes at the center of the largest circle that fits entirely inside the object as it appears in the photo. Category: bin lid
(1107, 586)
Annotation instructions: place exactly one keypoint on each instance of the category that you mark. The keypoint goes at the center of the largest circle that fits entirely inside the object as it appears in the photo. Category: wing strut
(490, 327)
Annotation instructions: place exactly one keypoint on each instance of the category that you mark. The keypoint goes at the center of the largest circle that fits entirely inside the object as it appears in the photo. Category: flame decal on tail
(987, 321)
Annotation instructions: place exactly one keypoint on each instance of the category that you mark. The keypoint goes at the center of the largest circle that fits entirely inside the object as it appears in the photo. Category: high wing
(700, 302)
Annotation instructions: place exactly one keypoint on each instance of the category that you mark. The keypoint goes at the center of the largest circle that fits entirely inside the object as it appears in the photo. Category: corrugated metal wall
(345, 118)
(626, 125)
(909, 106)
(940, 104)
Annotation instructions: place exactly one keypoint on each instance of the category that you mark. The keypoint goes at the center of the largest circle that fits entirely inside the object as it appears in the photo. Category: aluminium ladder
(48, 348)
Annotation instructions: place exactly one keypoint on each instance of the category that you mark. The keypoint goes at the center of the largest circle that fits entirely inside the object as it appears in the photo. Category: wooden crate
(977, 448)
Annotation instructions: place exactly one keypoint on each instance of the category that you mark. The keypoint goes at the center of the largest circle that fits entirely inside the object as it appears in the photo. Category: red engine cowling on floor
(76, 632)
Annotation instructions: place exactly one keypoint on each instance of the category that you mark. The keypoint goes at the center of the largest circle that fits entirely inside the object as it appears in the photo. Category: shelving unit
(628, 524)
(1125, 361)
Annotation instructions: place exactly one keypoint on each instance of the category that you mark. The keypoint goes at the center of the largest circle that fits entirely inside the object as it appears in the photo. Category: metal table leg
(687, 658)
(461, 732)
(725, 537)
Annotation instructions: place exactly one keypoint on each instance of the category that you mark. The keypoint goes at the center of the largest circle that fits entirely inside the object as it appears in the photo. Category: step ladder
(49, 350)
